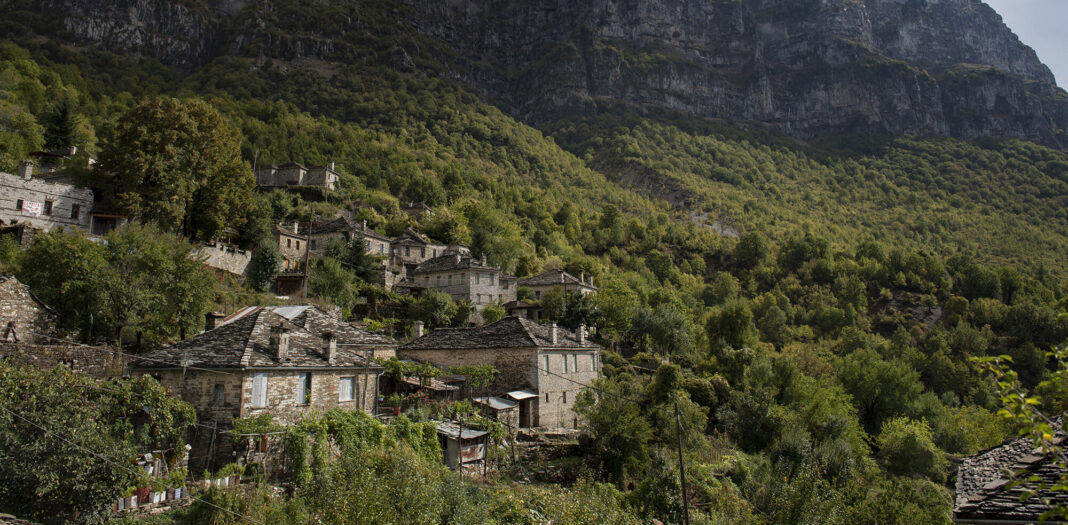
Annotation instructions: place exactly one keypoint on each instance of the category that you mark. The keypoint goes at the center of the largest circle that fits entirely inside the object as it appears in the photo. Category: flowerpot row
(143, 496)
(228, 481)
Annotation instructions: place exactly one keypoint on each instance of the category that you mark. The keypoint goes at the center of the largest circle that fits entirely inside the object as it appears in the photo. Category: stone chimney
(26, 169)
(280, 342)
(552, 334)
(457, 258)
(582, 334)
(591, 280)
(418, 329)
(330, 166)
(582, 276)
(363, 227)
(296, 226)
(329, 347)
(483, 259)
(213, 320)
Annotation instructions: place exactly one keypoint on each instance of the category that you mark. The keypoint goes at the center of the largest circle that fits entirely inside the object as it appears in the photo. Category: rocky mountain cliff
(806, 67)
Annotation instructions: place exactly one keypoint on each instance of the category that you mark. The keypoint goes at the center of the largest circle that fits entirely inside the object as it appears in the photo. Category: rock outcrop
(805, 67)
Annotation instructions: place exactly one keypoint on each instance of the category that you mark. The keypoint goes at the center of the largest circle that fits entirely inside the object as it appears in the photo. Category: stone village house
(411, 248)
(43, 204)
(290, 362)
(465, 278)
(541, 284)
(342, 228)
(541, 368)
(290, 244)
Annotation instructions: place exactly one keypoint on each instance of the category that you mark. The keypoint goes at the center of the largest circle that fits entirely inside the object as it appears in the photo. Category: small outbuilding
(463, 447)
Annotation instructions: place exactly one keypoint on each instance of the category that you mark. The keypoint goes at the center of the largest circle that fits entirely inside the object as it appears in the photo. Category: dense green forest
(820, 359)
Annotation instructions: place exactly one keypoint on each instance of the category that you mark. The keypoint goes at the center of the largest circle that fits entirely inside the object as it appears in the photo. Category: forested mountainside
(804, 67)
(811, 291)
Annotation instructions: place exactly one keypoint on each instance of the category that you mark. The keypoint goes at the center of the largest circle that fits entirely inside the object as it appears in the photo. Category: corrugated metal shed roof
(520, 395)
(452, 431)
(496, 403)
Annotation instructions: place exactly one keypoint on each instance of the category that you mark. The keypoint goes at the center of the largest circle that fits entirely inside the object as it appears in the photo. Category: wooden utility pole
(682, 469)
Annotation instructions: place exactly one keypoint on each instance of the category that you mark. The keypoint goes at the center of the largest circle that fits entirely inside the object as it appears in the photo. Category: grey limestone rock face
(804, 67)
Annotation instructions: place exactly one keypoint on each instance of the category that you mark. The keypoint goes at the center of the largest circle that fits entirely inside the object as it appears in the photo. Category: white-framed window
(546, 364)
(346, 386)
(574, 362)
(303, 388)
(565, 397)
(593, 362)
(565, 363)
(259, 390)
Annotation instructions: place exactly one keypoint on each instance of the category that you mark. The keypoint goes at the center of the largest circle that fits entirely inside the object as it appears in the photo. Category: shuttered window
(259, 390)
(303, 388)
(345, 388)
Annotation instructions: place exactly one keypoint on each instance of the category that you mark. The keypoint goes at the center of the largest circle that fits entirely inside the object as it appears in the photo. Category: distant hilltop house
(541, 369)
(287, 361)
(295, 175)
(984, 493)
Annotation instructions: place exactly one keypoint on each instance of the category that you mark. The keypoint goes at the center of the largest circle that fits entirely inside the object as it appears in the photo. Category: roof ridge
(246, 348)
(523, 324)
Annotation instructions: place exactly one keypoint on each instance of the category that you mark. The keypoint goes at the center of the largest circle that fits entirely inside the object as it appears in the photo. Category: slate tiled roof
(510, 332)
(245, 343)
(411, 235)
(554, 277)
(452, 261)
(344, 225)
(340, 224)
(286, 231)
(317, 322)
(983, 493)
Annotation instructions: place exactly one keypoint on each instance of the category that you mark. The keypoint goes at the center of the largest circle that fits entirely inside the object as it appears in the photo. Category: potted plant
(395, 402)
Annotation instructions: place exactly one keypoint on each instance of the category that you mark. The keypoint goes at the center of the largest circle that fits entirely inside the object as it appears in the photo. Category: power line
(124, 467)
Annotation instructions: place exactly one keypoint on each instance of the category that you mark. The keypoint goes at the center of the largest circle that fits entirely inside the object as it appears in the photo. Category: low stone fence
(96, 361)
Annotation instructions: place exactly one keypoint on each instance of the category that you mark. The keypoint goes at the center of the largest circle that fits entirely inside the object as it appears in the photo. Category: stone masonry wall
(98, 362)
(515, 366)
(282, 388)
(224, 257)
(557, 390)
(31, 321)
(63, 197)
(197, 387)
